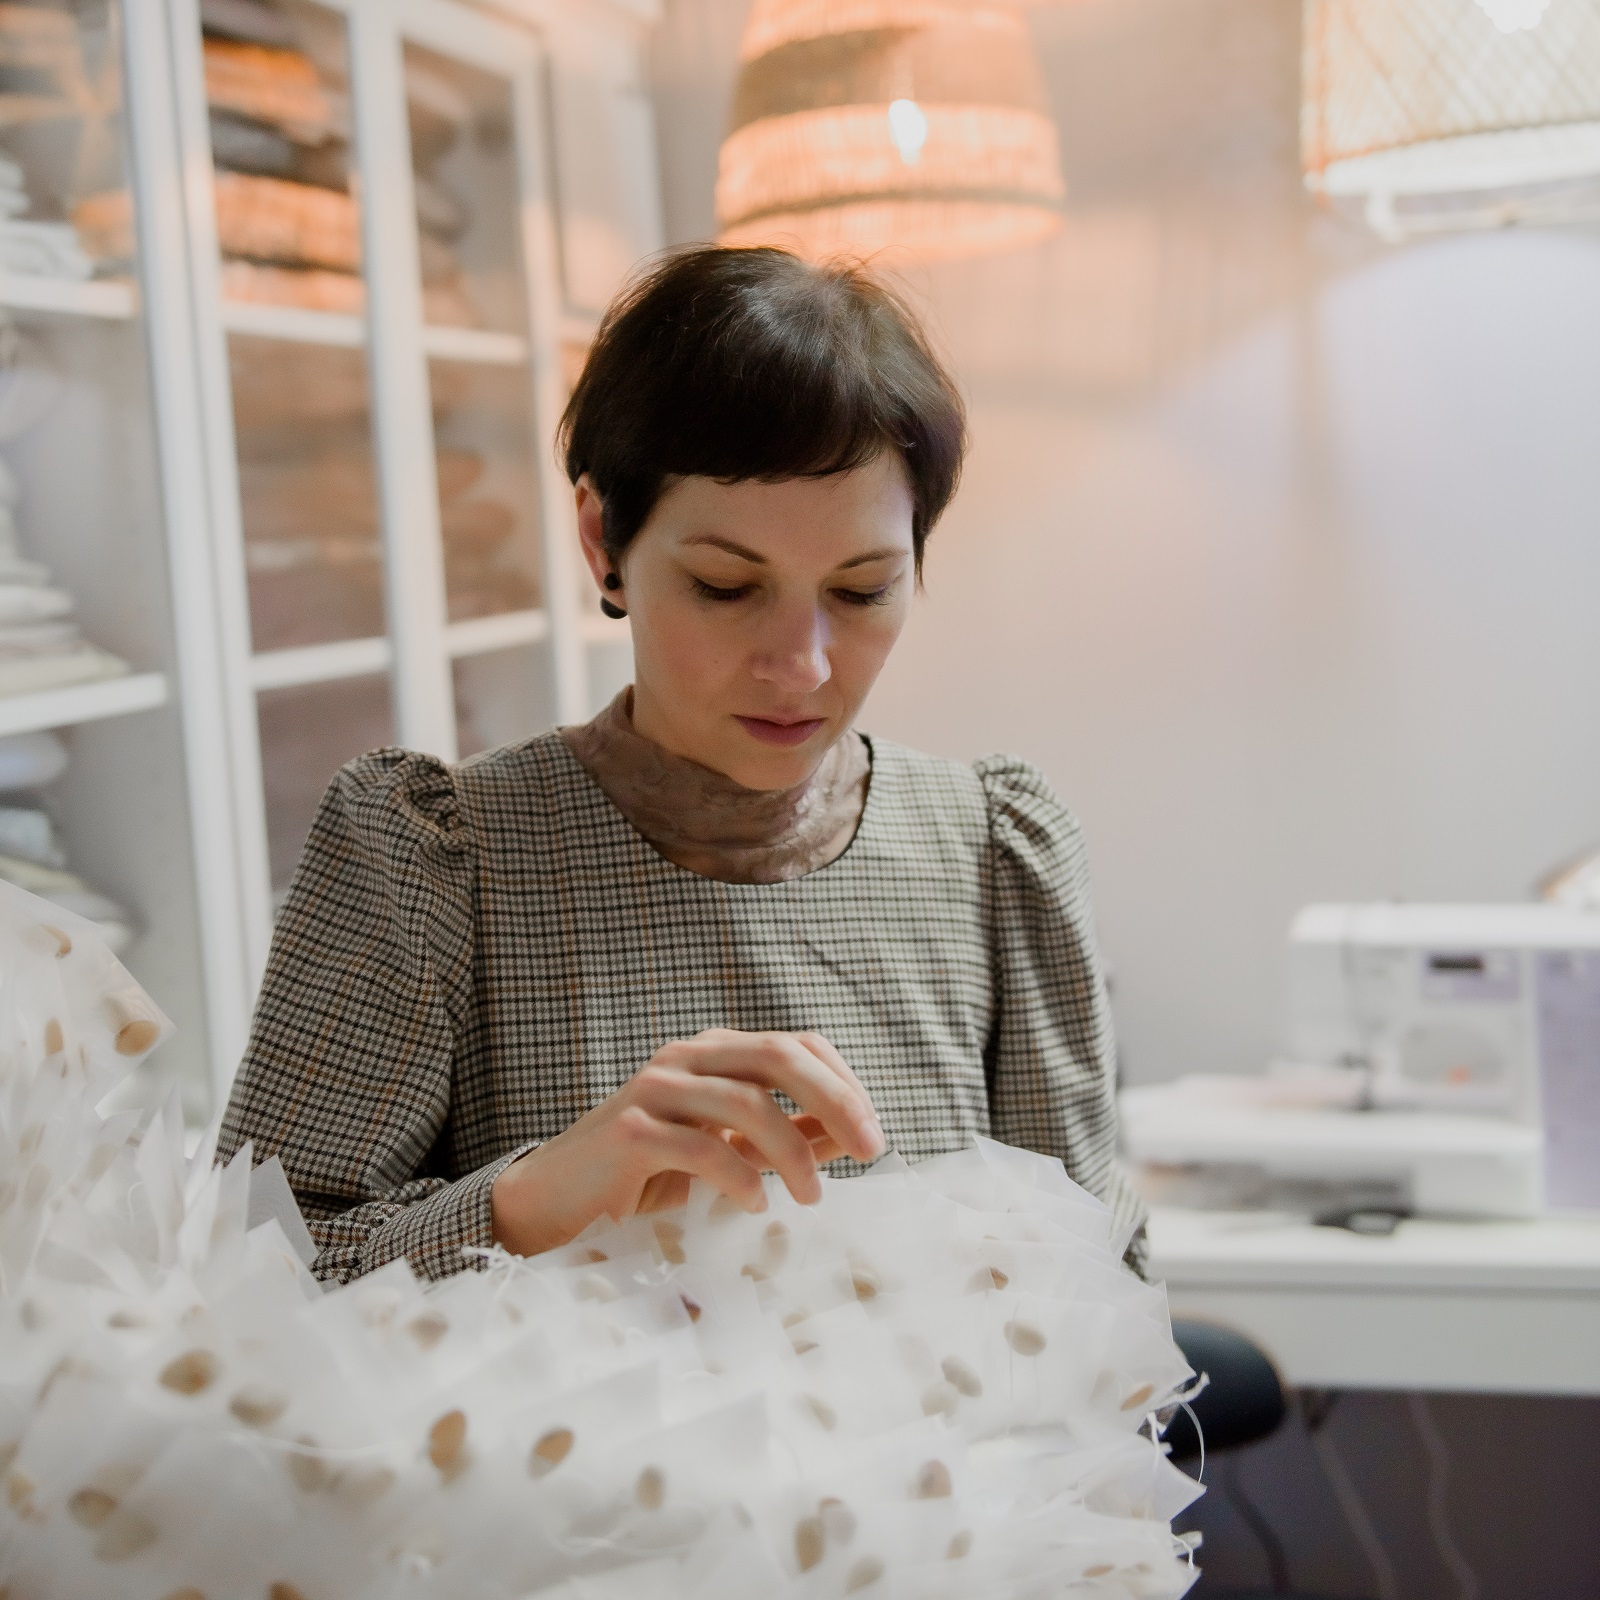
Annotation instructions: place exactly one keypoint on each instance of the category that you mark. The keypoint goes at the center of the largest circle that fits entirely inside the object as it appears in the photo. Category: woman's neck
(705, 822)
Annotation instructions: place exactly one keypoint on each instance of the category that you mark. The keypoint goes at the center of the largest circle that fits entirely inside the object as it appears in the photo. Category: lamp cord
(1433, 1441)
(1277, 1559)
(1355, 1513)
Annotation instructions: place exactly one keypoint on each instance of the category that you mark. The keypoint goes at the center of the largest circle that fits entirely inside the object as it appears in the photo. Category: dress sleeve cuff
(432, 1234)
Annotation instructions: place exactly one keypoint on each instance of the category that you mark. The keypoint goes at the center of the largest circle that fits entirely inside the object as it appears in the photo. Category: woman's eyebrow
(873, 555)
(742, 551)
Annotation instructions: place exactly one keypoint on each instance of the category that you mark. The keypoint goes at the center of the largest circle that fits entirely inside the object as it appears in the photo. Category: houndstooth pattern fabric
(470, 958)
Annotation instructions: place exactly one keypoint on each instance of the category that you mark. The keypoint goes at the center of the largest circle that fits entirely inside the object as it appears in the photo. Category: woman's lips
(770, 731)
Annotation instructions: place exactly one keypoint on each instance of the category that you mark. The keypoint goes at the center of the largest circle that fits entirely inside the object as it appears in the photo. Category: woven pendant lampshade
(1438, 114)
(861, 125)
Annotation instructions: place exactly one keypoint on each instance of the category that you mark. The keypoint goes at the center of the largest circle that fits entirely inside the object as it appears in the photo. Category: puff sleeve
(348, 1073)
(1052, 1062)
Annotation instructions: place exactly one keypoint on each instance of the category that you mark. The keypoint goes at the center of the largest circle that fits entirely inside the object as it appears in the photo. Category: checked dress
(471, 957)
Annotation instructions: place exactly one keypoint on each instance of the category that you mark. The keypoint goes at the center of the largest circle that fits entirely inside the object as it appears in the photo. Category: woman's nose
(794, 653)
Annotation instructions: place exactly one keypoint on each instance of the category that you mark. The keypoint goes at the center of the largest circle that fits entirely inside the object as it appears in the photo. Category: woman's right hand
(700, 1108)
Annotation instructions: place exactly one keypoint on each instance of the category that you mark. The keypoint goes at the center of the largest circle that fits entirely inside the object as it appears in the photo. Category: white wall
(1278, 550)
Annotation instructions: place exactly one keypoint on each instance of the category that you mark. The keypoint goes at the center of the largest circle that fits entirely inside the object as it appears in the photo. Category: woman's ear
(592, 530)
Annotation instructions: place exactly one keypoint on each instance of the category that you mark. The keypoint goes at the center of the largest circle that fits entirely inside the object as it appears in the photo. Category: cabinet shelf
(350, 332)
(293, 323)
(357, 658)
(475, 344)
(319, 663)
(82, 702)
(480, 635)
(71, 297)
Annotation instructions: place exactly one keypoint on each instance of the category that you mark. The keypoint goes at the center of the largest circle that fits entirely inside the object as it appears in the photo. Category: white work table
(1488, 1307)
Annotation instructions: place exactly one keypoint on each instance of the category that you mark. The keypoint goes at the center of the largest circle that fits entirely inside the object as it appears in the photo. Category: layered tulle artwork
(939, 1382)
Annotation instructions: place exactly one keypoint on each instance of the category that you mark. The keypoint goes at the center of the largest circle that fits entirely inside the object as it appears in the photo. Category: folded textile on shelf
(31, 760)
(40, 648)
(60, 667)
(30, 856)
(437, 111)
(37, 39)
(35, 249)
(311, 289)
(293, 224)
(42, 60)
(32, 602)
(288, 228)
(939, 1383)
(323, 490)
(304, 225)
(444, 305)
(243, 145)
(255, 21)
(240, 145)
(71, 893)
(30, 385)
(43, 250)
(23, 640)
(104, 224)
(28, 833)
(297, 225)
(276, 86)
(440, 211)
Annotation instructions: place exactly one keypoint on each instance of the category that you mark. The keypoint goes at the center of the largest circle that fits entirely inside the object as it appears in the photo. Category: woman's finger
(824, 1147)
(773, 1141)
(824, 1049)
(656, 1146)
(779, 1061)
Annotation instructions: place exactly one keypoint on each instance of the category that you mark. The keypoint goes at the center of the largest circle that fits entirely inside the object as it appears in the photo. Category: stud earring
(616, 613)
(612, 581)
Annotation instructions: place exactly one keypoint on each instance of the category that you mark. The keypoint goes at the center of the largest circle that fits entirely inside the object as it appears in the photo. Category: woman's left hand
(699, 1108)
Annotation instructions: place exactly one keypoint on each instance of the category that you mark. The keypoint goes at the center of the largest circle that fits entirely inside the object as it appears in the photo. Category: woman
(564, 977)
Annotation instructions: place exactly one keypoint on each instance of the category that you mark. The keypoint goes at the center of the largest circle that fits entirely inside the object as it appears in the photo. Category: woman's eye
(864, 597)
(709, 591)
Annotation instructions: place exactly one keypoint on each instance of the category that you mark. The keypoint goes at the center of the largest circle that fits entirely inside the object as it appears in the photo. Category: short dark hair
(740, 364)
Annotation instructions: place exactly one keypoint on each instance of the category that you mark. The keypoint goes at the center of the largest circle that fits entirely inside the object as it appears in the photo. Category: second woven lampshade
(860, 125)
(1436, 114)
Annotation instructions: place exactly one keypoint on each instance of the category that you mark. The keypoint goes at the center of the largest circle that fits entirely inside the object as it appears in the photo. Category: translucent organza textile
(938, 1382)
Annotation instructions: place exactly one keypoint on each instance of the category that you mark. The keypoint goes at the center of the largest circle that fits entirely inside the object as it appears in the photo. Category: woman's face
(761, 612)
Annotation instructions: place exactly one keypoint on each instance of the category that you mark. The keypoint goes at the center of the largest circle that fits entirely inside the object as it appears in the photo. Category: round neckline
(609, 806)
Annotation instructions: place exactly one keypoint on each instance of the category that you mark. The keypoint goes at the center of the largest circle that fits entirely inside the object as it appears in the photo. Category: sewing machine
(1441, 1059)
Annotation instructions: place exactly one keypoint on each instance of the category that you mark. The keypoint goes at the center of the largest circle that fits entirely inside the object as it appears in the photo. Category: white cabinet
(99, 804)
(365, 244)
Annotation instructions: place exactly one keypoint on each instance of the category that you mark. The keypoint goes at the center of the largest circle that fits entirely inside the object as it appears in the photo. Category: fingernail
(872, 1136)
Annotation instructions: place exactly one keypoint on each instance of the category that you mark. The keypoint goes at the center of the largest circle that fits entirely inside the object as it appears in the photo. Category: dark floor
(1521, 1502)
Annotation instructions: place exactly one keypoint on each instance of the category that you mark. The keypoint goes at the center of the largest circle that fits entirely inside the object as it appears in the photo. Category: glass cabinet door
(461, 122)
(291, 288)
(381, 249)
(95, 794)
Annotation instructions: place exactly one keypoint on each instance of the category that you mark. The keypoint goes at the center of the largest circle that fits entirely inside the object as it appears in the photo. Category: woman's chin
(755, 764)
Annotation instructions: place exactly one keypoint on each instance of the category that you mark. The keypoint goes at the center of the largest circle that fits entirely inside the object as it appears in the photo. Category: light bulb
(1511, 16)
(908, 127)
